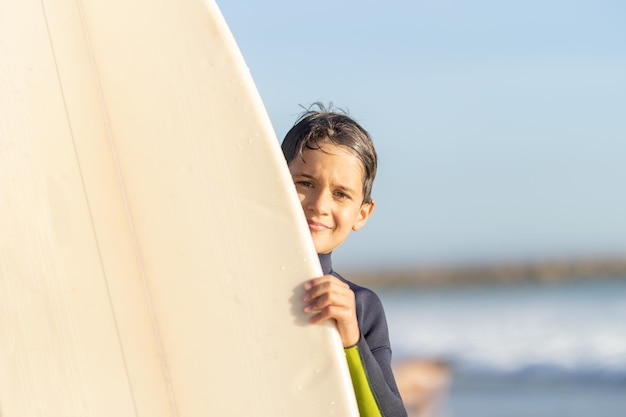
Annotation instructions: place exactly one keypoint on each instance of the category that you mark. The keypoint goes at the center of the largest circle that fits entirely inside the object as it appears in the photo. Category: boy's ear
(365, 212)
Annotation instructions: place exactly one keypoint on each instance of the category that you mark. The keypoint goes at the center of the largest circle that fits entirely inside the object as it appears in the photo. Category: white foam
(568, 328)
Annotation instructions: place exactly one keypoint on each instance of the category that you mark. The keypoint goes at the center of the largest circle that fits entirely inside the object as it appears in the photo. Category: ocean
(519, 350)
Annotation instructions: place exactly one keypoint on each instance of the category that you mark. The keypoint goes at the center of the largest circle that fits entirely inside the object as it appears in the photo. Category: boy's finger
(323, 280)
(337, 313)
(324, 314)
(341, 300)
(317, 303)
(327, 290)
(318, 286)
(316, 291)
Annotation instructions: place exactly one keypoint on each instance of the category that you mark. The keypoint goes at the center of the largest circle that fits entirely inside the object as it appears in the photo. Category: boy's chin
(325, 245)
(323, 249)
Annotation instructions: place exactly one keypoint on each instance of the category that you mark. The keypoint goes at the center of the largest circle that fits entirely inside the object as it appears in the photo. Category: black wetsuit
(374, 348)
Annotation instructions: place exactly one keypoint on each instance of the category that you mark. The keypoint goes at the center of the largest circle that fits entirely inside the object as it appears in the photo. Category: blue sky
(500, 126)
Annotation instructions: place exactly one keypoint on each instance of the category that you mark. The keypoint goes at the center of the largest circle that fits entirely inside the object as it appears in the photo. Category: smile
(317, 227)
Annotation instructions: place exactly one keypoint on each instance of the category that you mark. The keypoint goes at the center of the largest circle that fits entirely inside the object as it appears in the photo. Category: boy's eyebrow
(303, 174)
(348, 190)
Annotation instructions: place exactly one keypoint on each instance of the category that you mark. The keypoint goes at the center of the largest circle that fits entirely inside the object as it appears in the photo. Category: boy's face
(329, 183)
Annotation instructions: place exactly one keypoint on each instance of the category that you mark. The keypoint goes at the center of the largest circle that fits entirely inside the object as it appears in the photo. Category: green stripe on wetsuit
(368, 407)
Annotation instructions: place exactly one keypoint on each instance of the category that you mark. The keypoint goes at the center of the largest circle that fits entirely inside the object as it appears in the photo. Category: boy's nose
(319, 202)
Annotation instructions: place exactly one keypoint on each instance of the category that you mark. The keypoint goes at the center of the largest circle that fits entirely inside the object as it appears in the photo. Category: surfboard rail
(152, 248)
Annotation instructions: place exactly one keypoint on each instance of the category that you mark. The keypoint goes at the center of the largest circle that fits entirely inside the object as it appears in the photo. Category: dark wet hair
(314, 128)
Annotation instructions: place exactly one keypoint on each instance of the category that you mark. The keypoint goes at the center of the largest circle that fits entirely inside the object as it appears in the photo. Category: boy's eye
(304, 183)
(341, 195)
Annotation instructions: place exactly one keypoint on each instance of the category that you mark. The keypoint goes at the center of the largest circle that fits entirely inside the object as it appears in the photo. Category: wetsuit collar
(326, 262)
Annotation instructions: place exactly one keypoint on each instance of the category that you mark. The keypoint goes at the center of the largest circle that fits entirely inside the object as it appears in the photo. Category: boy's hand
(328, 297)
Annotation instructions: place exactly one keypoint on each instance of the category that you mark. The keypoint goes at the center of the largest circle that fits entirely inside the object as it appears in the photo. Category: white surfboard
(152, 248)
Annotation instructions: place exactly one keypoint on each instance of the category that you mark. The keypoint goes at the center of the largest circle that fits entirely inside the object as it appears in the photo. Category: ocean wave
(544, 372)
(591, 368)
(573, 332)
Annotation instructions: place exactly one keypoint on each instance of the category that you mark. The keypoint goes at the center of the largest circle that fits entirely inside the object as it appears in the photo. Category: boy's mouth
(316, 226)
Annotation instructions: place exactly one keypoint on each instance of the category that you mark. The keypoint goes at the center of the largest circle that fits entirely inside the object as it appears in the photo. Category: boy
(332, 161)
